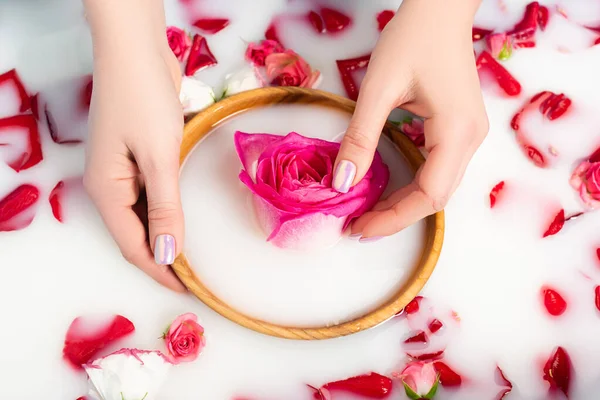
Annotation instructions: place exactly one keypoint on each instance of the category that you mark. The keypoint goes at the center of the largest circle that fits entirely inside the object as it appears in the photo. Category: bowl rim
(204, 122)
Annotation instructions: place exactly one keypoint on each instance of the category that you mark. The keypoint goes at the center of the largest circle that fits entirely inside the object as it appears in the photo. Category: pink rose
(420, 380)
(586, 180)
(290, 177)
(500, 45)
(256, 53)
(414, 129)
(184, 339)
(179, 42)
(289, 69)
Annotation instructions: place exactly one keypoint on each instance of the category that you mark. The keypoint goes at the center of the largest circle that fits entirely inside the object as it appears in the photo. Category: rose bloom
(256, 53)
(420, 380)
(290, 178)
(414, 129)
(184, 339)
(586, 180)
(179, 42)
(289, 69)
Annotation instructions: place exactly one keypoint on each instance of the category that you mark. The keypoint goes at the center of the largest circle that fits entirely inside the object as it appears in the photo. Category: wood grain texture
(206, 121)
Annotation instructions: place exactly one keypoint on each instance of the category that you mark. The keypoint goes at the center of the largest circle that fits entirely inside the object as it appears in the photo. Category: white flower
(241, 80)
(195, 95)
(127, 374)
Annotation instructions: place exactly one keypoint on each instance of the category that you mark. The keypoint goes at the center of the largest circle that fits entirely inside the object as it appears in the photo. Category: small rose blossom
(289, 69)
(184, 339)
(586, 180)
(195, 95)
(241, 81)
(256, 53)
(179, 42)
(500, 45)
(127, 374)
(420, 380)
(414, 128)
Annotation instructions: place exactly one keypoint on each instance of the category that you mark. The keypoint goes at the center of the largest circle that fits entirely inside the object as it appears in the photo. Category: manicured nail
(355, 236)
(369, 240)
(164, 250)
(344, 176)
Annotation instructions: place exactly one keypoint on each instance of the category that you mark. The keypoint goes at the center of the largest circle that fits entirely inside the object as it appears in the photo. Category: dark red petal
(555, 105)
(435, 325)
(504, 79)
(494, 193)
(317, 394)
(372, 386)
(542, 17)
(556, 225)
(598, 253)
(346, 67)
(597, 41)
(597, 297)
(555, 304)
(35, 100)
(334, 20)
(86, 94)
(383, 18)
(427, 356)
(557, 371)
(55, 200)
(539, 95)
(316, 21)
(413, 306)
(13, 76)
(211, 25)
(15, 203)
(448, 378)
(480, 33)
(524, 31)
(535, 156)
(33, 154)
(595, 157)
(271, 33)
(81, 344)
(515, 121)
(200, 56)
(419, 337)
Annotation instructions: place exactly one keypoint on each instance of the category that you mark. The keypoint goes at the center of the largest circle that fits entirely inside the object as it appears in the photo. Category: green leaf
(146, 395)
(407, 120)
(434, 389)
(410, 393)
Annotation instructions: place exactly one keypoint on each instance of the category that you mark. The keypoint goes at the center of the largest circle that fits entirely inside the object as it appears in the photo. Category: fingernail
(369, 240)
(343, 176)
(164, 250)
(355, 236)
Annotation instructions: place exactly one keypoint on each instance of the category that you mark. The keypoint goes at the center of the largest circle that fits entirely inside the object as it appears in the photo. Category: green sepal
(410, 393)
(506, 52)
(433, 390)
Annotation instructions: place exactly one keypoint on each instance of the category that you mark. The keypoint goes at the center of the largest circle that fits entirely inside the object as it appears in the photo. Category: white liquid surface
(230, 253)
(493, 262)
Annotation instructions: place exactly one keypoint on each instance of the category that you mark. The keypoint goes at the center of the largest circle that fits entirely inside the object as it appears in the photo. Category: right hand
(136, 127)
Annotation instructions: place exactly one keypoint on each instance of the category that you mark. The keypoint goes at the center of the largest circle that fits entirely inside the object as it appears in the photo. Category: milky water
(492, 267)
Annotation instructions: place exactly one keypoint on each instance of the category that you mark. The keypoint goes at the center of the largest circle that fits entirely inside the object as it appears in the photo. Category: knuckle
(437, 200)
(162, 213)
(358, 139)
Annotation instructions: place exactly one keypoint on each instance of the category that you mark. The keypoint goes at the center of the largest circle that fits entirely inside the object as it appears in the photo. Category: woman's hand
(136, 126)
(423, 63)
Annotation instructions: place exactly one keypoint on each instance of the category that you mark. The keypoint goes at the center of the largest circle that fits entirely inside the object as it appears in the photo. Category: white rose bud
(195, 95)
(241, 80)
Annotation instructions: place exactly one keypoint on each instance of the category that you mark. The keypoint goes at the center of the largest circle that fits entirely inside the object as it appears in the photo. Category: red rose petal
(556, 225)
(346, 68)
(494, 193)
(557, 371)
(505, 80)
(413, 306)
(523, 33)
(55, 200)
(435, 325)
(383, 18)
(419, 337)
(33, 154)
(14, 206)
(86, 94)
(372, 386)
(200, 56)
(271, 33)
(13, 77)
(502, 381)
(211, 25)
(598, 253)
(448, 378)
(555, 304)
(543, 17)
(52, 128)
(35, 100)
(81, 344)
(597, 297)
(334, 20)
(480, 33)
(427, 356)
(316, 21)
(597, 41)
(535, 156)
(595, 157)
(555, 106)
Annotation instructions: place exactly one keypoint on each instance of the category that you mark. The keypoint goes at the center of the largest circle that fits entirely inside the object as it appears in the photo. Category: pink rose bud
(184, 339)
(499, 45)
(256, 53)
(127, 374)
(420, 380)
(414, 129)
(586, 180)
(290, 178)
(289, 69)
(179, 42)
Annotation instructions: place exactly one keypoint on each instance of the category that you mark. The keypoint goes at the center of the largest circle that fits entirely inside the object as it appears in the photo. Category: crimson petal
(211, 25)
(371, 386)
(334, 20)
(33, 155)
(13, 76)
(383, 18)
(448, 378)
(557, 371)
(346, 68)
(15, 203)
(55, 200)
(200, 56)
(505, 80)
(556, 225)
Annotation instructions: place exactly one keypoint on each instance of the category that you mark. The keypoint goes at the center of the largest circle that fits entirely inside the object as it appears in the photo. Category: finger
(129, 232)
(160, 170)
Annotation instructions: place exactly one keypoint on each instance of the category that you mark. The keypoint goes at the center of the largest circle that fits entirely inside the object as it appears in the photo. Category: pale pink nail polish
(370, 239)
(344, 176)
(164, 250)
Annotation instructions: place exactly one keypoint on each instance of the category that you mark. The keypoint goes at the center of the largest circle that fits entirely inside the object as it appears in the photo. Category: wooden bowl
(206, 121)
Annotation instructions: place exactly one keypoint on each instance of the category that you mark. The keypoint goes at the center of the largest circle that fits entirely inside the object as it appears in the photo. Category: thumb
(165, 214)
(360, 140)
